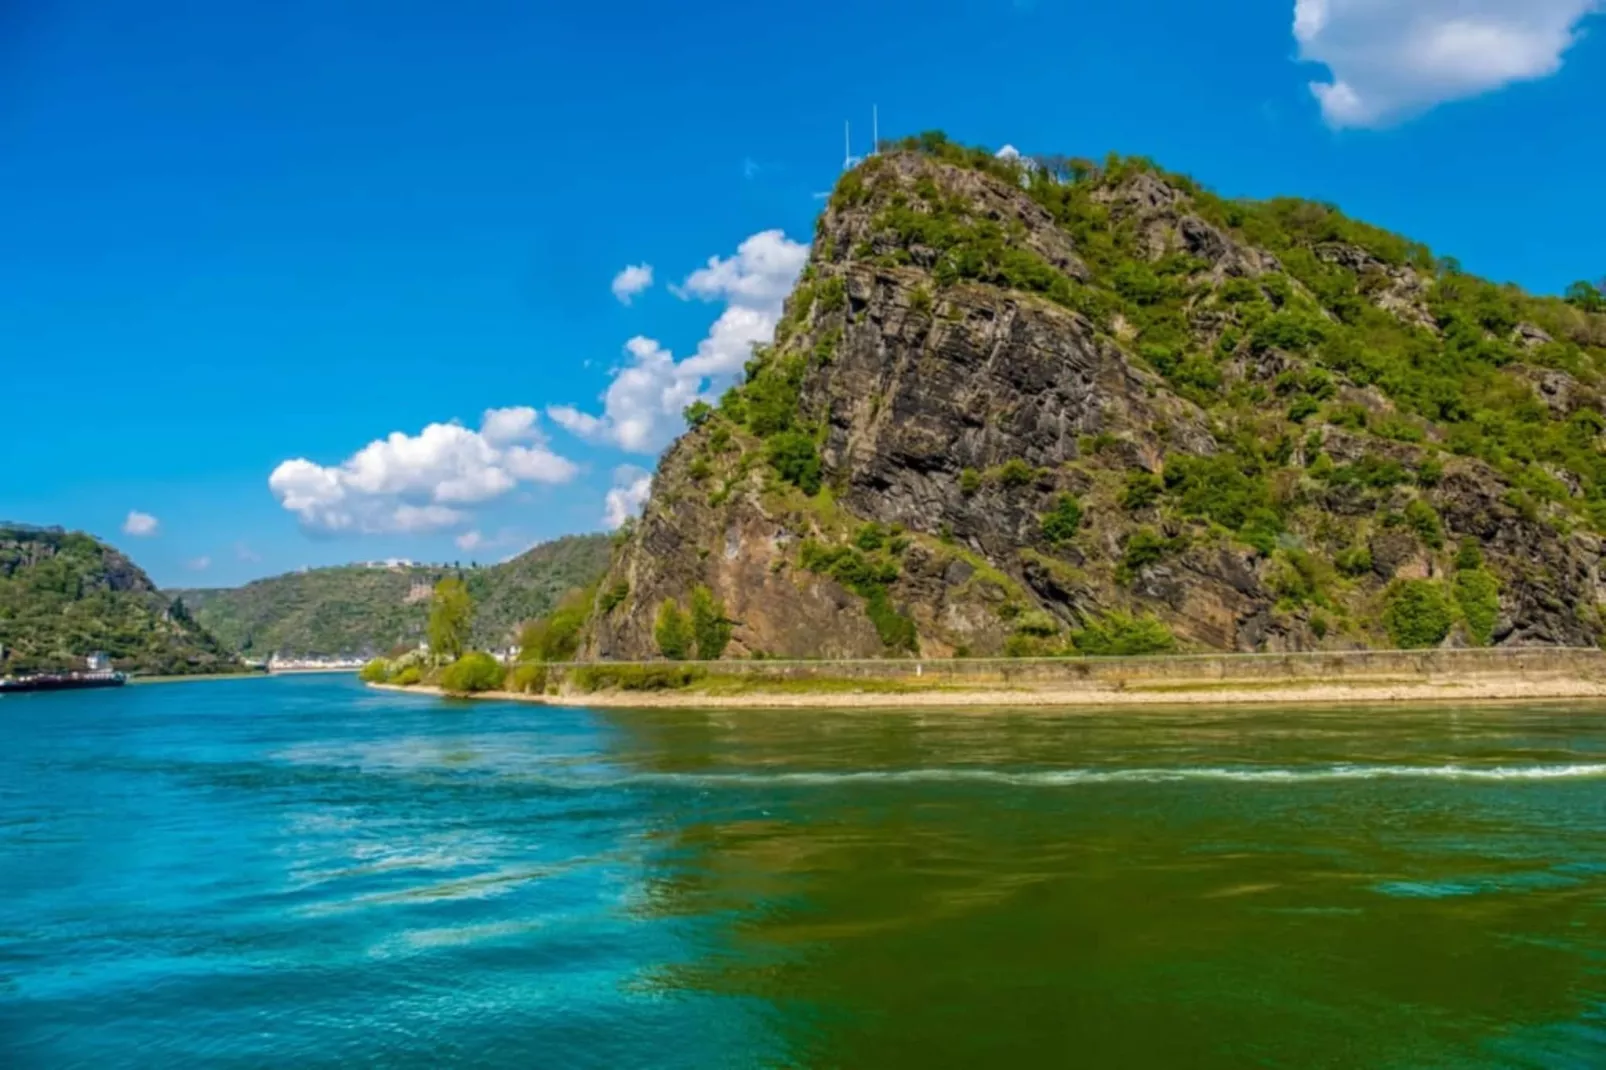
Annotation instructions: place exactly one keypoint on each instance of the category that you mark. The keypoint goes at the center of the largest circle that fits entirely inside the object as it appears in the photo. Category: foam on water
(1071, 777)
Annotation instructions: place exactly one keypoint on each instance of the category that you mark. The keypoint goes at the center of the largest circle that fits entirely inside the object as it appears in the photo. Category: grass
(819, 685)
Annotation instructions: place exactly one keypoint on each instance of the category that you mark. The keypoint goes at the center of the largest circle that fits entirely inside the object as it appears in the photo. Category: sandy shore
(1318, 692)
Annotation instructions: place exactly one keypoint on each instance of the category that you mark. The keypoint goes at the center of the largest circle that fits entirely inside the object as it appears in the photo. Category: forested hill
(359, 609)
(1063, 406)
(64, 595)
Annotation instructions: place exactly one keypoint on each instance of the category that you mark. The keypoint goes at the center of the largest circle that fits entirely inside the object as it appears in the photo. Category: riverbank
(1362, 677)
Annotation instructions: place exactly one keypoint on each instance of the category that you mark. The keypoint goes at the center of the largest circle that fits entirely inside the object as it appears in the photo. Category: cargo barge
(60, 681)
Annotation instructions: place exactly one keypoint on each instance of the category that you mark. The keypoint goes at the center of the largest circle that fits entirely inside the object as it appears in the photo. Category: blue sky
(238, 235)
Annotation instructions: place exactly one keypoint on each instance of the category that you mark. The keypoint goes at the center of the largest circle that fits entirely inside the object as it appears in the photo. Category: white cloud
(632, 281)
(139, 524)
(245, 553)
(641, 407)
(631, 486)
(199, 564)
(417, 483)
(469, 540)
(1390, 59)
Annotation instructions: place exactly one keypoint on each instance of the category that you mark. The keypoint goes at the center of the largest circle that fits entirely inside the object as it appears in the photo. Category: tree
(709, 626)
(1587, 296)
(1418, 614)
(451, 618)
(792, 455)
(672, 632)
(556, 637)
(476, 671)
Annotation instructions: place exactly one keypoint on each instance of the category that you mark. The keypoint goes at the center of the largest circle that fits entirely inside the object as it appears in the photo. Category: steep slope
(64, 595)
(1053, 407)
(356, 609)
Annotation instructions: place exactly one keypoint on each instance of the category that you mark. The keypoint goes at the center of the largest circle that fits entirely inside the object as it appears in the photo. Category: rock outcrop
(1009, 413)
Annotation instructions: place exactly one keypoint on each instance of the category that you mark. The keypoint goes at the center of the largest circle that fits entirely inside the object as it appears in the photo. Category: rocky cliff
(64, 595)
(1036, 408)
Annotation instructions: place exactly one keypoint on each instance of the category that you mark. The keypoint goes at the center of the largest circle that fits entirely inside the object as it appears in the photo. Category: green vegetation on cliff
(65, 595)
(356, 609)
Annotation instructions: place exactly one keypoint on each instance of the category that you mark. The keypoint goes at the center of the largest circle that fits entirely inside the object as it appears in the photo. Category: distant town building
(99, 662)
(311, 664)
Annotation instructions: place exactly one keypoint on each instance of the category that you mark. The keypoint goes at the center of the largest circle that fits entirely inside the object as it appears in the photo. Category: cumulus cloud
(418, 483)
(469, 540)
(140, 524)
(631, 486)
(641, 407)
(632, 281)
(1389, 59)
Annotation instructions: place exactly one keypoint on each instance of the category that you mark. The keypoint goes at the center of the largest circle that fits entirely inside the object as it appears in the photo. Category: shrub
(710, 630)
(376, 671)
(1118, 634)
(1372, 471)
(1015, 473)
(1303, 408)
(1354, 561)
(527, 678)
(870, 537)
(896, 631)
(1061, 522)
(1037, 624)
(794, 458)
(1299, 577)
(1468, 555)
(672, 632)
(1218, 488)
(474, 671)
(613, 597)
(969, 481)
(1417, 614)
(407, 676)
(635, 677)
(1142, 490)
(1477, 593)
(1143, 547)
(1425, 522)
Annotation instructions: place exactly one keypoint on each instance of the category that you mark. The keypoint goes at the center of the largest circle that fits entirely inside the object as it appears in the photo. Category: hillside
(355, 609)
(1062, 407)
(64, 595)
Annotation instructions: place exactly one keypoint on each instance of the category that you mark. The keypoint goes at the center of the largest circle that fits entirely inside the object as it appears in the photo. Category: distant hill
(65, 594)
(363, 609)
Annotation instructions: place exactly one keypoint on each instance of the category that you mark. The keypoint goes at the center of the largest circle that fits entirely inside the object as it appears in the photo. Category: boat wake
(1073, 777)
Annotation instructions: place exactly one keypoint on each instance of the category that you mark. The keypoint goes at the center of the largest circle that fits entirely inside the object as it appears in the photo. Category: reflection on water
(301, 872)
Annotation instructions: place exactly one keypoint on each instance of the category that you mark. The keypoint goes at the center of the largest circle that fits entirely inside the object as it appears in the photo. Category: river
(301, 872)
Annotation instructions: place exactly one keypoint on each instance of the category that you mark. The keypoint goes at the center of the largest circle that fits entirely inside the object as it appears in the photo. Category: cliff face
(64, 595)
(1027, 410)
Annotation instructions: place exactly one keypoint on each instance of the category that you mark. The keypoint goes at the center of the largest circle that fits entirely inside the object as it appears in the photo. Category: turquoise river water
(303, 873)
